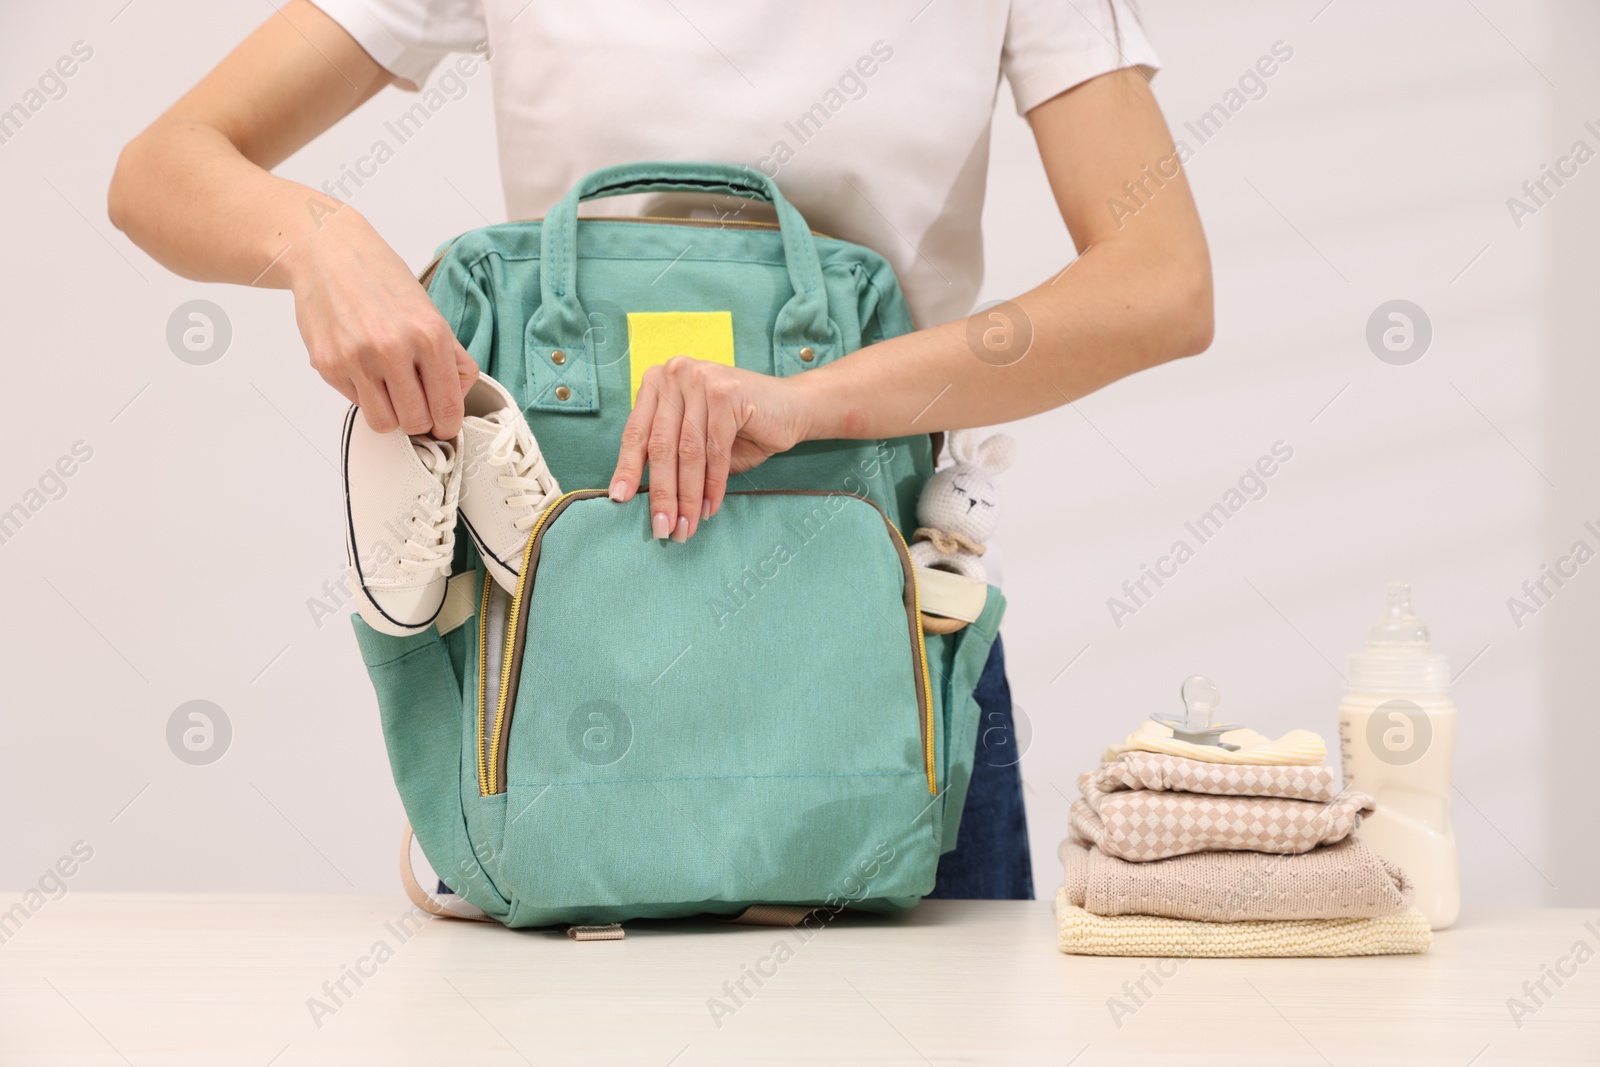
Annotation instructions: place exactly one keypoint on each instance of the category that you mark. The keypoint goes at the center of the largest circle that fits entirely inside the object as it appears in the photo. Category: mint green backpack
(651, 729)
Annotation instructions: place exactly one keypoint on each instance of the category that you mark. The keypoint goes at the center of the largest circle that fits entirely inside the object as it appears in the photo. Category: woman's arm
(1139, 294)
(194, 191)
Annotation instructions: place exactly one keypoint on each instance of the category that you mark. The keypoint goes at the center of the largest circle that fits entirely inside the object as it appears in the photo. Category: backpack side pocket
(962, 657)
(419, 699)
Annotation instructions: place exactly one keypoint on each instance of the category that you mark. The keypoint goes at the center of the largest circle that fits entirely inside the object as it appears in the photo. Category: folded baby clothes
(1143, 824)
(1294, 747)
(1346, 880)
(1083, 933)
(1159, 771)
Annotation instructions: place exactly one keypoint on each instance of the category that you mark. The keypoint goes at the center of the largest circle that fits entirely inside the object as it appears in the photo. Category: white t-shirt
(873, 117)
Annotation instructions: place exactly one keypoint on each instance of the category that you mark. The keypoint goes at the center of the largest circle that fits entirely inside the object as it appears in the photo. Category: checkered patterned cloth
(1143, 824)
(1159, 771)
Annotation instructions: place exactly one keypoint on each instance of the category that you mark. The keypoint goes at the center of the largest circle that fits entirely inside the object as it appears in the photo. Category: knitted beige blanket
(1163, 772)
(1142, 824)
(1346, 880)
(1082, 933)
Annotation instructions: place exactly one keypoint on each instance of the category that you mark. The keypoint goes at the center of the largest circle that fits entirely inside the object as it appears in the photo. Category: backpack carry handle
(420, 896)
(560, 321)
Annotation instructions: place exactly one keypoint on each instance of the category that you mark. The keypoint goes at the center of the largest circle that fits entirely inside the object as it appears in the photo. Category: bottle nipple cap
(1200, 698)
(1399, 656)
(1398, 629)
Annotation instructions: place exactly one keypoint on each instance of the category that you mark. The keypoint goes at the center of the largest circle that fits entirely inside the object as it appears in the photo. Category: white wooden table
(226, 979)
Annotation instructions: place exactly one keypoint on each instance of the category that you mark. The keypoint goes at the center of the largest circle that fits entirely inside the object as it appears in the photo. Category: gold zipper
(922, 653)
(491, 764)
(426, 277)
(483, 680)
(491, 770)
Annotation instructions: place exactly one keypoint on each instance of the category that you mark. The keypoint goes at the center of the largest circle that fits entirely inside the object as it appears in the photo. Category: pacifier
(1200, 699)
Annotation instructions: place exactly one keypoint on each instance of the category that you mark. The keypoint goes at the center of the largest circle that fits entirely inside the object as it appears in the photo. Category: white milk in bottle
(1397, 742)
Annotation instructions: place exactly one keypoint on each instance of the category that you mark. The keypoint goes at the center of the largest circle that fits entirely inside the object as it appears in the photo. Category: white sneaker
(506, 484)
(401, 494)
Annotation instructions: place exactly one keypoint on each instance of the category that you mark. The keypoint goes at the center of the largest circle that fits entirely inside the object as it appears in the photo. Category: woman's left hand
(697, 422)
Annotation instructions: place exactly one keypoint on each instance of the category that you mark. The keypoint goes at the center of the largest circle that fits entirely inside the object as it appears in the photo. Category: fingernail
(683, 531)
(658, 525)
(619, 489)
(705, 510)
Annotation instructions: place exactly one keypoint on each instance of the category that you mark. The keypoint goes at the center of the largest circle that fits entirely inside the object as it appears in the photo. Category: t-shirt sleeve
(408, 38)
(1052, 45)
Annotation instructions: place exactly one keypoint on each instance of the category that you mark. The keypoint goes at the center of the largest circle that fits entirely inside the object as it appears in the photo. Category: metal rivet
(563, 393)
(808, 354)
(558, 357)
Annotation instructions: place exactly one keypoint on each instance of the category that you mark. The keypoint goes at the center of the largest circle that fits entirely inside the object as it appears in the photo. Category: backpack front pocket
(754, 703)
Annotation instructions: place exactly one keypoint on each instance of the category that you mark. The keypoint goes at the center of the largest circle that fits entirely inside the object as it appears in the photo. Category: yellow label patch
(656, 336)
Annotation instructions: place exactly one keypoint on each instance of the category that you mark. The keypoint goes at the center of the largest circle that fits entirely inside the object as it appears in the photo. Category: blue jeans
(991, 859)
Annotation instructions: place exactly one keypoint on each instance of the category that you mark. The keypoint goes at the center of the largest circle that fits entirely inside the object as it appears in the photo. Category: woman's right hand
(373, 333)
(195, 191)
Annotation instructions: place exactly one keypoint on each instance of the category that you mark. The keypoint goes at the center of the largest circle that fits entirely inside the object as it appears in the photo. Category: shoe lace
(431, 542)
(528, 482)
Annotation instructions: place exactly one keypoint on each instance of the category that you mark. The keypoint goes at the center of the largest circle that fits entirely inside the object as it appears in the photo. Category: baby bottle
(1397, 742)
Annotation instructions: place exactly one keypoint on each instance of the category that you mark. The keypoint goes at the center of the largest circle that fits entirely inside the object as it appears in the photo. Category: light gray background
(180, 562)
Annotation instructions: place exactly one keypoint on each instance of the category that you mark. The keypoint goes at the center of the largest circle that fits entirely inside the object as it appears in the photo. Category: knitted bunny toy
(960, 505)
